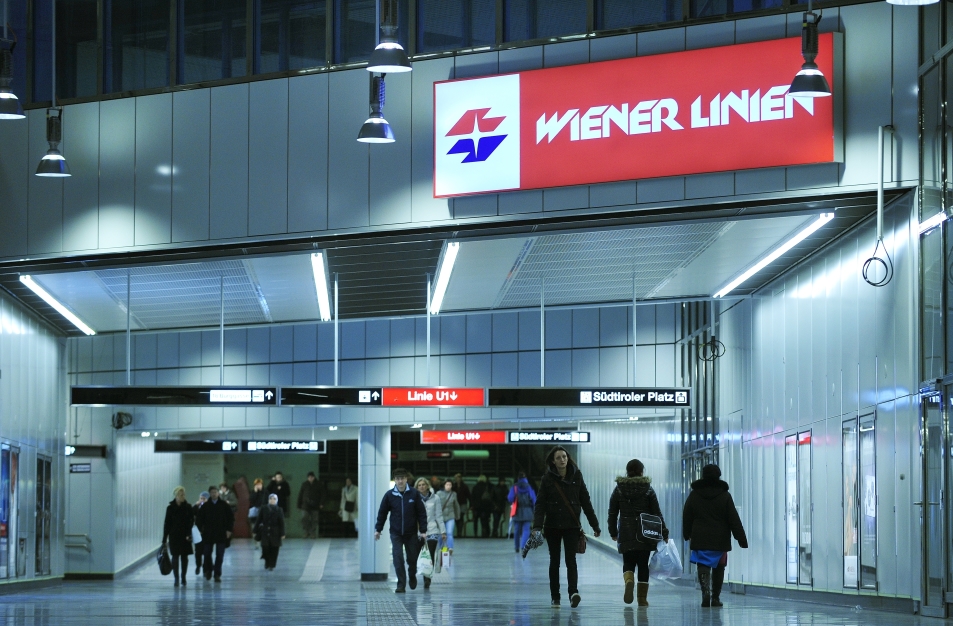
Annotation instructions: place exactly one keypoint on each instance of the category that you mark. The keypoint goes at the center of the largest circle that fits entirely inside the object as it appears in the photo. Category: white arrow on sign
(453, 395)
(375, 395)
(269, 395)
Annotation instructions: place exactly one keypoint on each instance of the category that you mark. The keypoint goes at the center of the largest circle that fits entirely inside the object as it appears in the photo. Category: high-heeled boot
(717, 581)
(704, 579)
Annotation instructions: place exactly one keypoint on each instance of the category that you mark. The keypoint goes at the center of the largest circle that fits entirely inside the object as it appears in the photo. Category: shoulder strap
(566, 501)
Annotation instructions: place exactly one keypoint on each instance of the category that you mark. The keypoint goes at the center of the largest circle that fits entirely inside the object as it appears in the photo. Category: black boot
(704, 579)
(717, 580)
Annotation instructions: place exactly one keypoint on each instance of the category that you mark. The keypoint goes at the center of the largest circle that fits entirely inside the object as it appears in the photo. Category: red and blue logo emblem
(474, 122)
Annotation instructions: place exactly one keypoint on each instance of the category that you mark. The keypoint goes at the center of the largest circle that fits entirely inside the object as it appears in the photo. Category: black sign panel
(548, 436)
(80, 468)
(174, 396)
(591, 397)
(187, 445)
(331, 396)
(270, 445)
(98, 452)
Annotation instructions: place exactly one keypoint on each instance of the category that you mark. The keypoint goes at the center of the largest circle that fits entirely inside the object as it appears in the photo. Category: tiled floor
(488, 584)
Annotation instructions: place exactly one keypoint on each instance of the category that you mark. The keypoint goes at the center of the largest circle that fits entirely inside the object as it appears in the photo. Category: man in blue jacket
(408, 525)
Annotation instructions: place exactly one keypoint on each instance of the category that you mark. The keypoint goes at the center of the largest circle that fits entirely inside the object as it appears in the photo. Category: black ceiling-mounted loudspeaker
(120, 419)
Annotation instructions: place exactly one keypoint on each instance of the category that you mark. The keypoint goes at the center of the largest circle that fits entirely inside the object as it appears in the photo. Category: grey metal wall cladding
(476, 349)
(809, 351)
(270, 158)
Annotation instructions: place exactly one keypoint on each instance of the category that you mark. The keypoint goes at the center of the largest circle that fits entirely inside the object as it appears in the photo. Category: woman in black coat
(632, 497)
(270, 531)
(562, 493)
(709, 520)
(177, 532)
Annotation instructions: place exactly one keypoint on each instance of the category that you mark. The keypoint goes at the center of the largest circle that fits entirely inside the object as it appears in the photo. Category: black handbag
(349, 506)
(651, 526)
(164, 560)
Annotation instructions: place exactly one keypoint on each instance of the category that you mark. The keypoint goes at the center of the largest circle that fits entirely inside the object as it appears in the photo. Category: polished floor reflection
(317, 582)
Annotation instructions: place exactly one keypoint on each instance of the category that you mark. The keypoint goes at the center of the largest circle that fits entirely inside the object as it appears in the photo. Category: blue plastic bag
(665, 562)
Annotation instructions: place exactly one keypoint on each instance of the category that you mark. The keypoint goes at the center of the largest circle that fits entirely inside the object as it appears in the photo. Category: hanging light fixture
(912, 2)
(389, 56)
(376, 129)
(53, 164)
(810, 81)
(10, 108)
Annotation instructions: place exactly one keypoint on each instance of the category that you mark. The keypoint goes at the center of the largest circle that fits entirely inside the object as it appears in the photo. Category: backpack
(525, 502)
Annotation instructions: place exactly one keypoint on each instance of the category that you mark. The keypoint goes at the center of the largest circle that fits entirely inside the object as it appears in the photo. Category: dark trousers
(411, 544)
(309, 522)
(184, 558)
(567, 538)
(431, 547)
(497, 519)
(270, 554)
(199, 551)
(637, 558)
(482, 521)
(208, 568)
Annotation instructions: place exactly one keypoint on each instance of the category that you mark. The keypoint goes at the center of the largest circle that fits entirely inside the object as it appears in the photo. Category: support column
(372, 481)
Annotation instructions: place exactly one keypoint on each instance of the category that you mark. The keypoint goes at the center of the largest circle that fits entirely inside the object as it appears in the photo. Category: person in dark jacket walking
(199, 547)
(463, 499)
(525, 498)
(562, 493)
(270, 530)
(310, 502)
(709, 520)
(282, 489)
(481, 503)
(257, 500)
(408, 527)
(633, 496)
(216, 521)
(177, 532)
(501, 511)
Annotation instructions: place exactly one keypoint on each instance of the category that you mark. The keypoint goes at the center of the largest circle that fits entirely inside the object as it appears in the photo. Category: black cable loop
(876, 262)
(711, 350)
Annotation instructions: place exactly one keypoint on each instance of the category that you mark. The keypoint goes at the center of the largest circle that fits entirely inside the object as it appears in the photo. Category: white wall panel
(228, 163)
(81, 196)
(153, 213)
(44, 232)
(308, 153)
(268, 157)
(191, 133)
(15, 174)
(117, 173)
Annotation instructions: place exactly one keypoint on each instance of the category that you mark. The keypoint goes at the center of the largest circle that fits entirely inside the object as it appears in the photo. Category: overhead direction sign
(173, 396)
(471, 437)
(331, 396)
(548, 436)
(220, 446)
(435, 396)
(691, 112)
(590, 397)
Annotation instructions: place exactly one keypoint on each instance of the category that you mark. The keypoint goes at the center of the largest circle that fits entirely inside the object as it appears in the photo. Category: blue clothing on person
(524, 496)
(711, 558)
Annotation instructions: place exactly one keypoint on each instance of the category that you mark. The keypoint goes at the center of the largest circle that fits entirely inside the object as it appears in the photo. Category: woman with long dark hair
(562, 495)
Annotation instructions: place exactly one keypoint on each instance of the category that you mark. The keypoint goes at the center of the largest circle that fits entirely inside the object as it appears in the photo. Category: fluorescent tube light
(50, 300)
(321, 285)
(806, 232)
(932, 222)
(443, 275)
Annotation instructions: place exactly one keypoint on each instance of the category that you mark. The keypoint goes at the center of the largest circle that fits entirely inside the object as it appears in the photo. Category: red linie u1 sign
(712, 110)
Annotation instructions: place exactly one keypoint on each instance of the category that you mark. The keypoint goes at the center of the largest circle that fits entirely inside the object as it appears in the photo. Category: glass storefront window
(443, 25)
(707, 8)
(868, 502)
(355, 29)
(931, 262)
(849, 450)
(211, 42)
(539, 19)
(292, 35)
(77, 50)
(136, 45)
(612, 14)
(790, 507)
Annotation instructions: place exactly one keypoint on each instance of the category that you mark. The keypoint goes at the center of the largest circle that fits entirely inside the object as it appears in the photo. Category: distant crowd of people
(205, 528)
(423, 520)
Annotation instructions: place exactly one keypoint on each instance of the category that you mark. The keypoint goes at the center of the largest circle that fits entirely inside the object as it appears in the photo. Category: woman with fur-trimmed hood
(632, 497)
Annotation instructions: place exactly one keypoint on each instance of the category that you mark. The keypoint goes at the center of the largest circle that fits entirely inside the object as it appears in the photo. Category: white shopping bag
(196, 535)
(665, 562)
(424, 564)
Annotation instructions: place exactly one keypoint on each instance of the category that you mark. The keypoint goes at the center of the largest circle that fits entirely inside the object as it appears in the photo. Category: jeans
(567, 538)
(640, 558)
(219, 556)
(451, 525)
(521, 533)
(411, 544)
(270, 554)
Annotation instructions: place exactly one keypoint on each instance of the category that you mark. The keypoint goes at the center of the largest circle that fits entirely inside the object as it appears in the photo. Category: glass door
(934, 550)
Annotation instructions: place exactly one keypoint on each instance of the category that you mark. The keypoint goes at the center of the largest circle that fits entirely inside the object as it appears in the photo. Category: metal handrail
(84, 546)
(86, 537)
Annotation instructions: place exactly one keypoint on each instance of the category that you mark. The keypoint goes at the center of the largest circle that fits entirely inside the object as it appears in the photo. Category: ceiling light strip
(443, 275)
(803, 234)
(319, 269)
(931, 222)
(53, 302)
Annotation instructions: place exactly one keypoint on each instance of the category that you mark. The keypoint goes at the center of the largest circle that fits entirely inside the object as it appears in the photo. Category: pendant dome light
(376, 129)
(912, 2)
(389, 56)
(810, 81)
(53, 164)
(10, 108)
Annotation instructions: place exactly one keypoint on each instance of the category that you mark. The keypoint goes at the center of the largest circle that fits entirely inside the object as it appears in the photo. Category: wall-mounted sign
(591, 397)
(472, 437)
(98, 452)
(548, 436)
(693, 112)
(434, 396)
(219, 446)
(331, 396)
(173, 396)
(317, 447)
(80, 468)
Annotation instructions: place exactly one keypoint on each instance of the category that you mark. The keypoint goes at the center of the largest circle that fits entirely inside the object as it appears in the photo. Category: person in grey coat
(436, 530)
